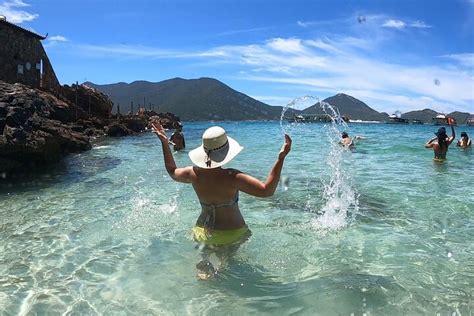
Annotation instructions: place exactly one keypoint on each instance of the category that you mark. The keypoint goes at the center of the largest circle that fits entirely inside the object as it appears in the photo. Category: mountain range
(426, 116)
(206, 99)
(192, 100)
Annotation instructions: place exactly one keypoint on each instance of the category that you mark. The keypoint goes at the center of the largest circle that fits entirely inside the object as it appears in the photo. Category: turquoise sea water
(382, 231)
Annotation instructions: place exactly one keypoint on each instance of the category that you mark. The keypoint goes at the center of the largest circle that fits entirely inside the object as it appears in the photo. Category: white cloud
(291, 45)
(400, 25)
(57, 38)
(302, 24)
(420, 24)
(233, 32)
(12, 11)
(397, 24)
(466, 59)
(325, 66)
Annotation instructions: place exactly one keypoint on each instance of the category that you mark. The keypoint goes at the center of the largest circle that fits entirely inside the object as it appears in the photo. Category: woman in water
(441, 142)
(464, 142)
(220, 222)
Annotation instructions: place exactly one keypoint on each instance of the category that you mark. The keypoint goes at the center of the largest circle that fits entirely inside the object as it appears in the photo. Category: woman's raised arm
(255, 187)
(178, 174)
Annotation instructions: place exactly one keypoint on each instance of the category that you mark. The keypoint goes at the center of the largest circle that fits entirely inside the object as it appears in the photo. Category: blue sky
(394, 55)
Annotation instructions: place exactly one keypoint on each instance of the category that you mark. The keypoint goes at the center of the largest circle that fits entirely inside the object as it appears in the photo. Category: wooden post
(89, 105)
(77, 83)
(131, 107)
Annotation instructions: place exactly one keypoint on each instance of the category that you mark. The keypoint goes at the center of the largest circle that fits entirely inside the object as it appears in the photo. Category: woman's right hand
(285, 149)
(159, 131)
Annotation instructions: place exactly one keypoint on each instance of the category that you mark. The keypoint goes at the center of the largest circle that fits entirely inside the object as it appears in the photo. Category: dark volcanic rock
(89, 100)
(17, 116)
(167, 120)
(3, 109)
(37, 127)
(136, 124)
(3, 122)
(118, 130)
(29, 136)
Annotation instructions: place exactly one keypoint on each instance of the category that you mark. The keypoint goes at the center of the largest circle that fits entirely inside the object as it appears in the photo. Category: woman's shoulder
(231, 171)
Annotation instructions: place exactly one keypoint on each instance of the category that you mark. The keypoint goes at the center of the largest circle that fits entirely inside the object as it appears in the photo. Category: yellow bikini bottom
(217, 237)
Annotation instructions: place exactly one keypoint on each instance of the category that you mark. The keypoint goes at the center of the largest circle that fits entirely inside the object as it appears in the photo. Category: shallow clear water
(381, 231)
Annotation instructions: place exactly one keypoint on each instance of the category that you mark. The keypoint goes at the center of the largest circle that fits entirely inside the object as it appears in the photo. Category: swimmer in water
(441, 142)
(349, 142)
(465, 141)
(177, 139)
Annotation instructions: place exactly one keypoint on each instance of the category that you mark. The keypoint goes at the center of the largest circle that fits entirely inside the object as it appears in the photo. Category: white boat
(470, 121)
(396, 119)
(440, 119)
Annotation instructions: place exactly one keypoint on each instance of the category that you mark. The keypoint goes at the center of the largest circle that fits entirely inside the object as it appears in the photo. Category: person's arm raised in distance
(453, 133)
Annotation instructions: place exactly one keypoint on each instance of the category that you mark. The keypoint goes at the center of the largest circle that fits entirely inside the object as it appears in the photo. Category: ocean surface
(383, 230)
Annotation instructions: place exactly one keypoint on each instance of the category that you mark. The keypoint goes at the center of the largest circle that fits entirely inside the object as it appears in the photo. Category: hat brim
(218, 157)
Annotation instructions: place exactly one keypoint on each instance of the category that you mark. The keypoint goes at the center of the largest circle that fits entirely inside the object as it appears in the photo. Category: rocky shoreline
(38, 128)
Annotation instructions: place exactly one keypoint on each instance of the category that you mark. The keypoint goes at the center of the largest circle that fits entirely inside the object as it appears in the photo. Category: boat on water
(470, 121)
(442, 119)
(417, 122)
(396, 119)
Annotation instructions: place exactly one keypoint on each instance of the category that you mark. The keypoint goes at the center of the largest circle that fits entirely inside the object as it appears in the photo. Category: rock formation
(37, 127)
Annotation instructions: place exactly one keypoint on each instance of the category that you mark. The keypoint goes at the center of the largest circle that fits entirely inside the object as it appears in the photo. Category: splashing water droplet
(437, 82)
(297, 111)
(285, 183)
(450, 254)
(361, 19)
(341, 200)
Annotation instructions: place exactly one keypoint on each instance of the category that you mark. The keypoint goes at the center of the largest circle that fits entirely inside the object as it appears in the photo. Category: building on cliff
(23, 58)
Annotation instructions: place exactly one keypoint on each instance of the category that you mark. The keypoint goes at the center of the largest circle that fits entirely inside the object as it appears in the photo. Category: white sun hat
(216, 150)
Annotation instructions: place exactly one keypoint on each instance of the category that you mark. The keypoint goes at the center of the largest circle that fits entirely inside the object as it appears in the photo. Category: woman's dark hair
(441, 139)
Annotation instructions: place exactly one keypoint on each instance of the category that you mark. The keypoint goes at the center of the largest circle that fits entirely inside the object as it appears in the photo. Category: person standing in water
(464, 142)
(177, 139)
(441, 142)
(220, 223)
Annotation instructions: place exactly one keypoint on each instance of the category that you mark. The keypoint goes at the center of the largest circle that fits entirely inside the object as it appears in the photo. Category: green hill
(460, 117)
(191, 100)
(426, 115)
(350, 107)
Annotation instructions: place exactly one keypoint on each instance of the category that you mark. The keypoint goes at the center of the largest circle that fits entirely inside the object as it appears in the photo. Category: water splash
(296, 106)
(146, 216)
(340, 199)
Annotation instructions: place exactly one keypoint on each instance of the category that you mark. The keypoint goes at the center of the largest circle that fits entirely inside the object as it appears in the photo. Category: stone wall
(21, 57)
